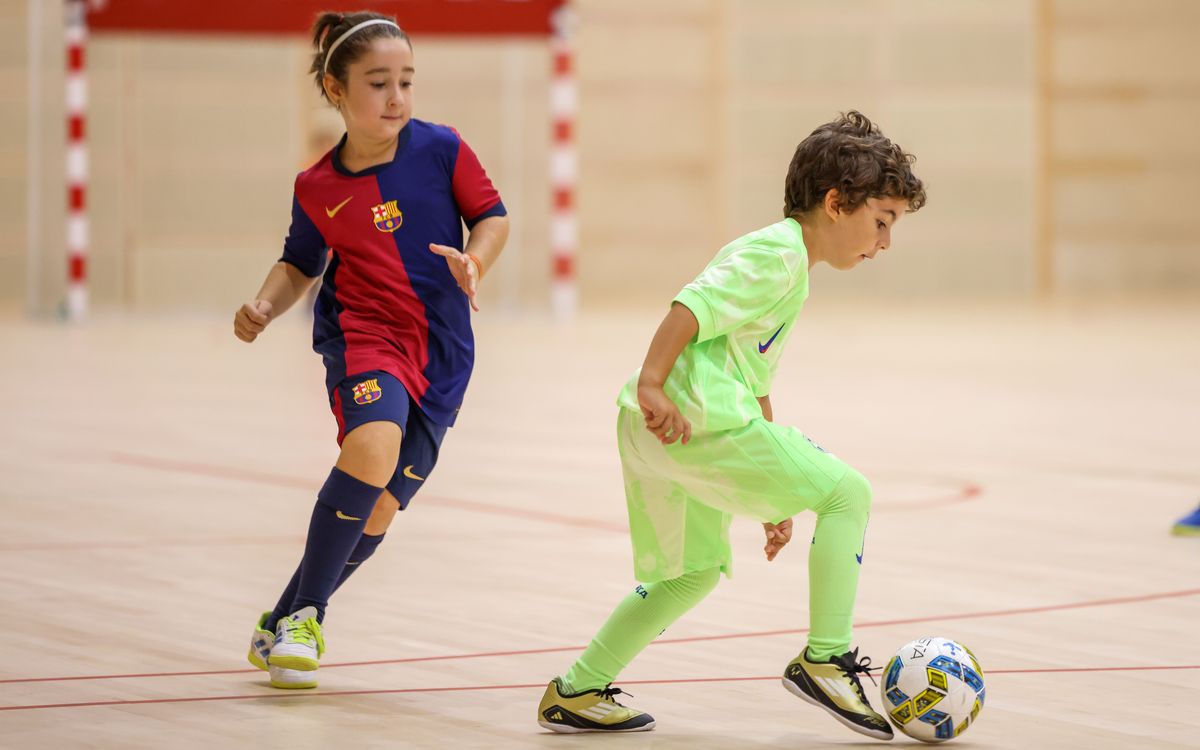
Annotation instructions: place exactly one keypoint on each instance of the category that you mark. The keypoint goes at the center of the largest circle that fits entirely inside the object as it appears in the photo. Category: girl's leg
(348, 499)
(377, 525)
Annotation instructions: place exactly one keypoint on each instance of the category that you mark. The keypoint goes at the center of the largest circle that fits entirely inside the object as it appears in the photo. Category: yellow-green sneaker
(833, 685)
(589, 711)
(1189, 525)
(298, 642)
(261, 642)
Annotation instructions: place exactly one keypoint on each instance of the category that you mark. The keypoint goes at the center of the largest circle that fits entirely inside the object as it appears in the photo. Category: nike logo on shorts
(762, 348)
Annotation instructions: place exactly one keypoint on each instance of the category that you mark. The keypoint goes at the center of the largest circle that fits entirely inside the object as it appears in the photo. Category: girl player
(392, 322)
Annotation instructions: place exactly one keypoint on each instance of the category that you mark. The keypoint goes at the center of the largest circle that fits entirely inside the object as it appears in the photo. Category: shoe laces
(609, 691)
(303, 631)
(851, 665)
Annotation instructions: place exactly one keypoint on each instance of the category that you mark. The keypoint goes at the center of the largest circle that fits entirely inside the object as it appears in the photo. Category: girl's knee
(370, 452)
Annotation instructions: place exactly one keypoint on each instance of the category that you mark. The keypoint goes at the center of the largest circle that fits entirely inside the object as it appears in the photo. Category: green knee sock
(834, 562)
(637, 621)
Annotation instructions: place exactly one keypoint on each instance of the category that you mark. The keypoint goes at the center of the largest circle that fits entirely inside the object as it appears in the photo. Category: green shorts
(682, 497)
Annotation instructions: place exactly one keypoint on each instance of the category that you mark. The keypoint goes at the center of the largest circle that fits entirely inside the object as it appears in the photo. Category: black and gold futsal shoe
(833, 685)
(589, 711)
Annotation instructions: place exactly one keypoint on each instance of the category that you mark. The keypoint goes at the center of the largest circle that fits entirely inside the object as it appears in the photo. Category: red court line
(279, 480)
(146, 544)
(967, 492)
(693, 639)
(334, 693)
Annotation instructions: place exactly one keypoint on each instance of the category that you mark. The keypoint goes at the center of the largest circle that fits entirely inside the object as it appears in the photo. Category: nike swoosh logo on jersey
(762, 348)
(332, 212)
(345, 517)
(408, 472)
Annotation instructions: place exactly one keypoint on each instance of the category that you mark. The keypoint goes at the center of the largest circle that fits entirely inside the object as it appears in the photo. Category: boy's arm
(284, 285)
(662, 415)
(764, 402)
(778, 534)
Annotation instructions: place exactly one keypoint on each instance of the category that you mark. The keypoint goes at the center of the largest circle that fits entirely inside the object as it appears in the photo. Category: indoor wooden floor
(1027, 465)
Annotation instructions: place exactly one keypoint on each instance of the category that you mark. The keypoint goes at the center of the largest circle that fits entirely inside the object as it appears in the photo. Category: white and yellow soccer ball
(933, 689)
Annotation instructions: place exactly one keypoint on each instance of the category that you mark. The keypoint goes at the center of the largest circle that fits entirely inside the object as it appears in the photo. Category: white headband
(342, 38)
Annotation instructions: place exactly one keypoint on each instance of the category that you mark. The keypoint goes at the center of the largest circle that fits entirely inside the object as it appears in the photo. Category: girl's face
(864, 232)
(376, 101)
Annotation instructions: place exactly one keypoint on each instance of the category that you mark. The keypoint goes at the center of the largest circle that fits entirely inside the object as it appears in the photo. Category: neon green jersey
(746, 301)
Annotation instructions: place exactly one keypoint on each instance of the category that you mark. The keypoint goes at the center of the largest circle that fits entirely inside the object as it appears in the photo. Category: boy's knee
(851, 495)
(858, 492)
(690, 588)
(707, 580)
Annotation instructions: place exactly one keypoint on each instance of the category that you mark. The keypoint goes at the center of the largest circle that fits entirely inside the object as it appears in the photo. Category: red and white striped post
(564, 167)
(77, 162)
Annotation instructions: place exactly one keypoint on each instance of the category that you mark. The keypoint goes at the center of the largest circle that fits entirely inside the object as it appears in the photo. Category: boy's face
(861, 234)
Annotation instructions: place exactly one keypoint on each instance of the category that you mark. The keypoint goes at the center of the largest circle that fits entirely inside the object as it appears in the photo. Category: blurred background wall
(1055, 138)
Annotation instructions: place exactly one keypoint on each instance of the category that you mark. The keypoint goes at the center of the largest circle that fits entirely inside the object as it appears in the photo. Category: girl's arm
(283, 286)
(487, 241)
(483, 248)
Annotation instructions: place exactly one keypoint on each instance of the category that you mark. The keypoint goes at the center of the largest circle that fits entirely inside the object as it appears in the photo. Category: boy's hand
(466, 275)
(662, 416)
(778, 534)
(251, 318)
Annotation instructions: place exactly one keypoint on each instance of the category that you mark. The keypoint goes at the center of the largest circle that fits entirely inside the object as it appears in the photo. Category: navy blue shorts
(376, 396)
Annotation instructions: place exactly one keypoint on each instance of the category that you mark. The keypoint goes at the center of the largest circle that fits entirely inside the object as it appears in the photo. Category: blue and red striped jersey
(387, 302)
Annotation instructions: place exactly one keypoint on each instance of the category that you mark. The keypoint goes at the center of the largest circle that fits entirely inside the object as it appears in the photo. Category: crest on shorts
(388, 217)
(367, 392)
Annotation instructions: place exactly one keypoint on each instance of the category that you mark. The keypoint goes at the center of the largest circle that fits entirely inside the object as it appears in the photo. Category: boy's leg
(680, 547)
(640, 618)
(583, 700)
(771, 473)
(834, 563)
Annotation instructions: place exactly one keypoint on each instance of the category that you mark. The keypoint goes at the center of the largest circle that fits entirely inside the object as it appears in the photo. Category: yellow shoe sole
(1182, 530)
(300, 663)
(252, 657)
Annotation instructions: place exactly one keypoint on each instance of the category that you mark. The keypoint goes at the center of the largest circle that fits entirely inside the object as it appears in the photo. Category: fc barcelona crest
(367, 392)
(387, 217)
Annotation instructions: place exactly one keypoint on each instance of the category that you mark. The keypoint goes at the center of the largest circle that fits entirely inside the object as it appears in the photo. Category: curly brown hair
(329, 26)
(853, 156)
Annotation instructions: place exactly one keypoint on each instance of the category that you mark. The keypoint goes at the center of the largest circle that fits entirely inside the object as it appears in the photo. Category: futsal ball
(933, 689)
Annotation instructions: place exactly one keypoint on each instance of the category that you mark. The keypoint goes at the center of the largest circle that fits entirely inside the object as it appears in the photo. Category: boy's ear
(832, 203)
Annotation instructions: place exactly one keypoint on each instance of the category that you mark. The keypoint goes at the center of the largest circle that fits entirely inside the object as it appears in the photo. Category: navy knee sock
(365, 548)
(338, 519)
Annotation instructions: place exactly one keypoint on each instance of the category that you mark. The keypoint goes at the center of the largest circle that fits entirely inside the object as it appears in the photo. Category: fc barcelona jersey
(387, 302)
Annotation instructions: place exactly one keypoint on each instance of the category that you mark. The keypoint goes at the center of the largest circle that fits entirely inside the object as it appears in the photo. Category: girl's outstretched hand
(463, 268)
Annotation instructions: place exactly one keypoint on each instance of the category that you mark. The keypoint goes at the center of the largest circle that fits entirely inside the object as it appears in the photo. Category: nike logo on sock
(345, 517)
